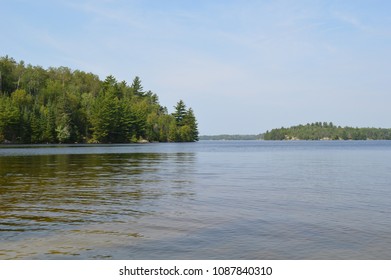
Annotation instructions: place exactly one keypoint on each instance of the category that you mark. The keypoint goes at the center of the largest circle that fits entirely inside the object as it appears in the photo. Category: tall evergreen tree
(136, 87)
(180, 113)
(191, 121)
(186, 123)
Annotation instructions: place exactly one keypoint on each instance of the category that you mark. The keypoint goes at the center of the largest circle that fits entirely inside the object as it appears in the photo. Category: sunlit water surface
(205, 200)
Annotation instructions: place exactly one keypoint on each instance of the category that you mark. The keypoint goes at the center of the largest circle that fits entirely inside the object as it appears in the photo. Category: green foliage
(180, 113)
(186, 127)
(9, 119)
(327, 131)
(136, 87)
(59, 105)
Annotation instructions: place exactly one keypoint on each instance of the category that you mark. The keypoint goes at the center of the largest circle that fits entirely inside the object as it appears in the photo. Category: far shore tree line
(59, 105)
(327, 131)
(311, 131)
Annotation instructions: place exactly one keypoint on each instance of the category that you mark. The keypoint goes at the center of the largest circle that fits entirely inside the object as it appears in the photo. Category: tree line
(59, 105)
(327, 131)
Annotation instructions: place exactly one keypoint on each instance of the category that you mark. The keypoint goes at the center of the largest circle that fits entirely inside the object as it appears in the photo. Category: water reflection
(84, 198)
(235, 200)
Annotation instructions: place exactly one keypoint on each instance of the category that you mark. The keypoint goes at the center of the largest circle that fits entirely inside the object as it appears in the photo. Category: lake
(204, 200)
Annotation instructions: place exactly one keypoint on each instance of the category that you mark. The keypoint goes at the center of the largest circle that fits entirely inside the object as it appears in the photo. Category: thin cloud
(109, 11)
(352, 21)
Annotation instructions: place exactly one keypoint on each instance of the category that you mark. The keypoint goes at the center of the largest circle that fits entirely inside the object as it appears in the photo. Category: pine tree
(191, 121)
(186, 123)
(180, 113)
(136, 87)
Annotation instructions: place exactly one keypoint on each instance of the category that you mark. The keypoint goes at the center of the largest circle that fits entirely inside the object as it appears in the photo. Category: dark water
(206, 200)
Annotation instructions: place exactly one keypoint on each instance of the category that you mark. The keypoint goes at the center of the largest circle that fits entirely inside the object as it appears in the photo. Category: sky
(243, 66)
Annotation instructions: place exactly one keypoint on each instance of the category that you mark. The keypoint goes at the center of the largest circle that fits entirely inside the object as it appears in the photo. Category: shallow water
(205, 200)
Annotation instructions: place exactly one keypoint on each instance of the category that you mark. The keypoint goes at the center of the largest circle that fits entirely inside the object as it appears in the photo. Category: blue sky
(243, 66)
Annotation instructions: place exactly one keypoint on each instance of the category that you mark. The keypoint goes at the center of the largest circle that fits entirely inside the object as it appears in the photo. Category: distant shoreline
(319, 131)
(327, 131)
(232, 137)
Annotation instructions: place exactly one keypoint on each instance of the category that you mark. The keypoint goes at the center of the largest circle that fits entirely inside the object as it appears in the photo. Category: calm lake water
(205, 200)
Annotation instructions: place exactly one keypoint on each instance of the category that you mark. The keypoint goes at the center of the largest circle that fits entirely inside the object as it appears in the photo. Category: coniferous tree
(136, 87)
(180, 113)
(191, 121)
(186, 123)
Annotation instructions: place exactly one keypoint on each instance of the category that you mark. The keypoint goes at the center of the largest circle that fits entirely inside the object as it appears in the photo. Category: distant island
(311, 131)
(60, 105)
(327, 131)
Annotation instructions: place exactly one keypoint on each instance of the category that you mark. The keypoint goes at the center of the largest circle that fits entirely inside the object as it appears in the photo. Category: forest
(327, 131)
(60, 105)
